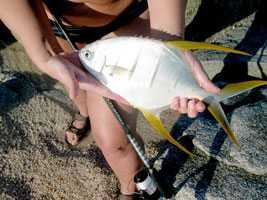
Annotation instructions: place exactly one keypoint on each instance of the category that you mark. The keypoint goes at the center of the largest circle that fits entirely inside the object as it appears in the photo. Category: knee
(115, 146)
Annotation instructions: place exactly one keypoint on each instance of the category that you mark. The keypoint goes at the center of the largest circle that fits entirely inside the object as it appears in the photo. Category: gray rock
(210, 179)
(247, 118)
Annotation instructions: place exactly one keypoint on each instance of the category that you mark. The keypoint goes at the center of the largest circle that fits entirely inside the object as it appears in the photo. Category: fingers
(116, 97)
(71, 85)
(67, 75)
(73, 88)
(191, 107)
(89, 82)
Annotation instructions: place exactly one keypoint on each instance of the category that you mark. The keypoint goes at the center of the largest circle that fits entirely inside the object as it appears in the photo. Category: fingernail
(183, 103)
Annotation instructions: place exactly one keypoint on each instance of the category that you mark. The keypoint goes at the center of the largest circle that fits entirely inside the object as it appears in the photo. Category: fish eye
(87, 54)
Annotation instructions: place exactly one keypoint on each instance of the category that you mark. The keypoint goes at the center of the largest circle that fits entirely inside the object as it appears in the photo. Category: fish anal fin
(187, 45)
(157, 124)
(218, 113)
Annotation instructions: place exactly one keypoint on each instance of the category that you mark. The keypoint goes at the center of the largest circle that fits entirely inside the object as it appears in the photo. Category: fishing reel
(148, 187)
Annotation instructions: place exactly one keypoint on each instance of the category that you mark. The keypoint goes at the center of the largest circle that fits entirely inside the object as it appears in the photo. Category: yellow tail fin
(186, 45)
(233, 89)
(228, 91)
(218, 113)
(157, 124)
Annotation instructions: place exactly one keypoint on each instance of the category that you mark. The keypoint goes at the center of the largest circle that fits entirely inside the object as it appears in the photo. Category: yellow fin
(157, 124)
(237, 88)
(186, 45)
(218, 113)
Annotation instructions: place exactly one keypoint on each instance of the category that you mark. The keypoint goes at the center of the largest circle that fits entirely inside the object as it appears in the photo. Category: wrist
(46, 53)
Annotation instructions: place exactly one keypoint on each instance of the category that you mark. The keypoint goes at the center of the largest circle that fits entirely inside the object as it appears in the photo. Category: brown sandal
(130, 197)
(80, 133)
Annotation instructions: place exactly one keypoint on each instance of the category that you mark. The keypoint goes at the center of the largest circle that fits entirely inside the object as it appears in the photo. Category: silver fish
(148, 73)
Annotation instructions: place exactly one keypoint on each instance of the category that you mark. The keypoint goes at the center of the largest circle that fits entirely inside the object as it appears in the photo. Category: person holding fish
(31, 22)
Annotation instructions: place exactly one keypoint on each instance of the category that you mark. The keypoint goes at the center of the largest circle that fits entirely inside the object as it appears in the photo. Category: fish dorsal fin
(231, 90)
(187, 45)
(218, 113)
(157, 124)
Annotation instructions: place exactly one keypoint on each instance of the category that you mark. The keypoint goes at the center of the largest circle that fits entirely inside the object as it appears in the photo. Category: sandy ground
(35, 162)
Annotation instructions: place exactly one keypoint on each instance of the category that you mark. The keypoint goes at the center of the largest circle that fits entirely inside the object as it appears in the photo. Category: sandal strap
(129, 197)
(79, 131)
(79, 117)
(73, 129)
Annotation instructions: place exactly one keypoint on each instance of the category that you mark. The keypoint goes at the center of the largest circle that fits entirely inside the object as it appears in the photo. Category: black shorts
(84, 34)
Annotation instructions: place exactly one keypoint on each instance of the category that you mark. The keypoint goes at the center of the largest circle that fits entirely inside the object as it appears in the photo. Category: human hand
(67, 69)
(193, 106)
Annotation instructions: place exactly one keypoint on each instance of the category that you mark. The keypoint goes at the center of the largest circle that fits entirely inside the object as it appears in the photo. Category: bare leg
(112, 140)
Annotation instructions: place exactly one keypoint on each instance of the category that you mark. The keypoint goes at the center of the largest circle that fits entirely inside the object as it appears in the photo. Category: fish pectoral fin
(157, 124)
(118, 71)
(218, 113)
(231, 90)
(187, 45)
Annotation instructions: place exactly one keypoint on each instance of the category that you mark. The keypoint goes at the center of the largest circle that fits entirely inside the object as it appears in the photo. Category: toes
(72, 138)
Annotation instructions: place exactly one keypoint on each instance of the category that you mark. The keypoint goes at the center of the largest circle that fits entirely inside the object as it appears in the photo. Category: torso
(91, 12)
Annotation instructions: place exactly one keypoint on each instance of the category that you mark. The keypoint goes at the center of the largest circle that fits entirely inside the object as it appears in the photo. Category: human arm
(167, 22)
(29, 23)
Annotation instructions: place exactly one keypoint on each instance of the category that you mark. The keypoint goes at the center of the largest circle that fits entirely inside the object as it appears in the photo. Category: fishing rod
(149, 185)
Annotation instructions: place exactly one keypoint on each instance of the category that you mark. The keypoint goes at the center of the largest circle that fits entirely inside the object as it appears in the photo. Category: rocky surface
(35, 163)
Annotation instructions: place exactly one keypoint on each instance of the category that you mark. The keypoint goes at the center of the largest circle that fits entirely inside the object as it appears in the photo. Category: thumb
(72, 88)
(68, 78)
(199, 73)
(205, 82)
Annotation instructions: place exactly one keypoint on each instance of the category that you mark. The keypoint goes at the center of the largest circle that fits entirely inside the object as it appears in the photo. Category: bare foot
(78, 129)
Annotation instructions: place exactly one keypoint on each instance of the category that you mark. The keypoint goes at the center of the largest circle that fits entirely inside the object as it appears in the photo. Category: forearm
(28, 22)
(167, 17)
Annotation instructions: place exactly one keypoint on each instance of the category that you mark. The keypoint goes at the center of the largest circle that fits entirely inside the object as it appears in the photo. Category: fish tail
(157, 124)
(234, 89)
(218, 113)
(229, 91)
